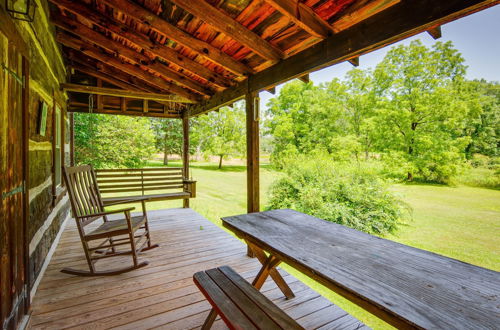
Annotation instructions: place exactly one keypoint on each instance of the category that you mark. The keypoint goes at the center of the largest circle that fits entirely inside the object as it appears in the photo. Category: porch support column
(185, 150)
(252, 125)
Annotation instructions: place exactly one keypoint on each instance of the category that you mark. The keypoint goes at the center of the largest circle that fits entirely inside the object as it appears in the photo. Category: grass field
(459, 222)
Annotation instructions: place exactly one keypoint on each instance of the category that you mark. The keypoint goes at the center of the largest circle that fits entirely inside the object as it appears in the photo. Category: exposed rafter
(92, 51)
(164, 52)
(303, 16)
(140, 84)
(122, 93)
(203, 48)
(400, 21)
(225, 24)
(115, 47)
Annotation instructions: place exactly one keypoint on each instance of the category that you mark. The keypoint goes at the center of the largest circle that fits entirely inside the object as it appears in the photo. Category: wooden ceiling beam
(127, 112)
(133, 81)
(122, 93)
(95, 53)
(231, 28)
(403, 20)
(116, 47)
(146, 17)
(104, 77)
(303, 16)
(124, 31)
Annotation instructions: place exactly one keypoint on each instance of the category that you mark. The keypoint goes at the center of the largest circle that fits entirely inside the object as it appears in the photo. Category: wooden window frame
(58, 189)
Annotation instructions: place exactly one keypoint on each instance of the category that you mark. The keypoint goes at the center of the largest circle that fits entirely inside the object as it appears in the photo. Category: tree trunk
(220, 161)
(165, 155)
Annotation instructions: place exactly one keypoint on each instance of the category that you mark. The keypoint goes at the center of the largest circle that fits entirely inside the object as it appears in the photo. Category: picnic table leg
(210, 320)
(269, 265)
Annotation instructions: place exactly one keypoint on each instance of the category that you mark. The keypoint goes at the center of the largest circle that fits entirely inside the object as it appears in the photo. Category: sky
(476, 36)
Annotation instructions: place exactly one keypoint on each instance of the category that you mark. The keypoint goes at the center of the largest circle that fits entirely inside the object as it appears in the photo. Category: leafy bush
(337, 192)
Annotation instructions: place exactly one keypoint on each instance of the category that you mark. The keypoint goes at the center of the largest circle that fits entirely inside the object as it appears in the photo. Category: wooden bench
(238, 303)
(154, 184)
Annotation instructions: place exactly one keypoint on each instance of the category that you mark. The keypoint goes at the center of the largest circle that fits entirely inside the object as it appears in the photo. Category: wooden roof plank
(116, 47)
(233, 29)
(124, 31)
(203, 48)
(92, 51)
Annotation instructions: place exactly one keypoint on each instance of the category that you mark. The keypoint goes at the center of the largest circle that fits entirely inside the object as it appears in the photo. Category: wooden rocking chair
(87, 207)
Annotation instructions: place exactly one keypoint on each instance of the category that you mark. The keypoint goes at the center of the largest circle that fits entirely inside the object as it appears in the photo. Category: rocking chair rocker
(87, 207)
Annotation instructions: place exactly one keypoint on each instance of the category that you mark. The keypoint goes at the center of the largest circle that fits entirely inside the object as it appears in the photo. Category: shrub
(337, 192)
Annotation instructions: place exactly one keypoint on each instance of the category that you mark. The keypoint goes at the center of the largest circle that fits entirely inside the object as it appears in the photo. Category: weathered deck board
(163, 295)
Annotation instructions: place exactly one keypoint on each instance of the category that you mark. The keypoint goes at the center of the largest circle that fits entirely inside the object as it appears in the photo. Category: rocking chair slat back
(83, 192)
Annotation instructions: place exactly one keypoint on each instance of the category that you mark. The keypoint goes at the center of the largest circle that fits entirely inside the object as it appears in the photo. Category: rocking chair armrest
(100, 214)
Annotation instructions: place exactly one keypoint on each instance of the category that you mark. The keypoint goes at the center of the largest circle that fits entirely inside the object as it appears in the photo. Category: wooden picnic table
(405, 286)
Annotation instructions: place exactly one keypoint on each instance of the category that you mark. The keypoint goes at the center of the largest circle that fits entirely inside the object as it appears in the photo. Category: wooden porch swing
(87, 207)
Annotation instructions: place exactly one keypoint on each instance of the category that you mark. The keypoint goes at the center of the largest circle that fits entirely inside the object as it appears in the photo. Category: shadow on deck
(163, 294)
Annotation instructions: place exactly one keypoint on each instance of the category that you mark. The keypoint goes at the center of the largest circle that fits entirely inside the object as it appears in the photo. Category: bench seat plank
(175, 195)
(227, 291)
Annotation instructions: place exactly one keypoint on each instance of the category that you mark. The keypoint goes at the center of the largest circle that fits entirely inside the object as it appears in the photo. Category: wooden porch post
(185, 150)
(252, 124)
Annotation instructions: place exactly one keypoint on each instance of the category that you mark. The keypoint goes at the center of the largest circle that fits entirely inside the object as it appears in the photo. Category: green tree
(168, 136)
(304, 117)
(423, 110)
(113, 141)
(483, 124)
(221, 133)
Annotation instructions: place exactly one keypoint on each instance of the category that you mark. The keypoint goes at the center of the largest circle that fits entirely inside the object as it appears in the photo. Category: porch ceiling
(213, 52)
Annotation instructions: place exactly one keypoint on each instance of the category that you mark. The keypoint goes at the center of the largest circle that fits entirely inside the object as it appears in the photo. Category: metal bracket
(20, 80)
(16, 190)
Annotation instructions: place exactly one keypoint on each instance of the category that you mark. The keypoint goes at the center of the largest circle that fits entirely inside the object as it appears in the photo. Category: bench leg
(185, 203)
(269, 265)
(210, 320)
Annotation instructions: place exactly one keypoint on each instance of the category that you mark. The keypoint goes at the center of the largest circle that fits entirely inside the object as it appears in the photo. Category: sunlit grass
(458, 222)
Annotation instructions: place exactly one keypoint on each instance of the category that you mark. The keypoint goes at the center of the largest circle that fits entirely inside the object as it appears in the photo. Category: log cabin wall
(48, 203)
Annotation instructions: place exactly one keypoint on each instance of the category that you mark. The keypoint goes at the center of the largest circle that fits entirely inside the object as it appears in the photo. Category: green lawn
(459, 222)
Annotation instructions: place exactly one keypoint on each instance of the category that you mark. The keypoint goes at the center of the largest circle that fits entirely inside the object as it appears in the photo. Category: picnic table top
(405, 286)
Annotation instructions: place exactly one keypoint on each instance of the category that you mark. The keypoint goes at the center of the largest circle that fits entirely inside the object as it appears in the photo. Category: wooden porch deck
(163, 295)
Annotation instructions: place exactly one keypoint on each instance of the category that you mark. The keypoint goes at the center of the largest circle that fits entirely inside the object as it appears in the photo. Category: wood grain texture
(239, 303)
(403, 285)
(163, 294)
